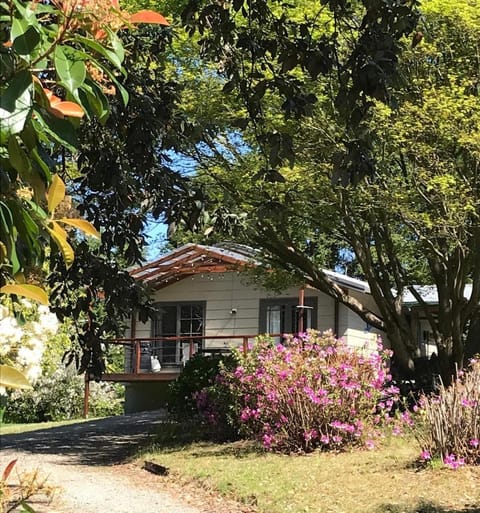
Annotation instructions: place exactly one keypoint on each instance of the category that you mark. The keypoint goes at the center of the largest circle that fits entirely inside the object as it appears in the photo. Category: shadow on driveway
(107, 441)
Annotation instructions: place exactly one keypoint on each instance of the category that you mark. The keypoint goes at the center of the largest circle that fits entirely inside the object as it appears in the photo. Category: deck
(137, 353)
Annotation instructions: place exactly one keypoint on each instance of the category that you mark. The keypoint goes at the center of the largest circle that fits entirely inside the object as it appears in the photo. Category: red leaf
(100, 34)
(8, 470)
(61, 109)
(148, 17)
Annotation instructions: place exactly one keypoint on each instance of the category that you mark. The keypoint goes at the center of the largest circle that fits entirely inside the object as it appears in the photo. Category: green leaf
(37, 210)
(61, 130)
(12, 378)
(117, 45)
(113, 78)
(70, 67)
(24, 44)
(29, 136)
(6, 219)
(112, 56)
(25, 290)
(26, 508)
(15, 105)
(26, 227)
(92, 99)
(42, 164)
(56, 193)
(19, 159)
(26, 12)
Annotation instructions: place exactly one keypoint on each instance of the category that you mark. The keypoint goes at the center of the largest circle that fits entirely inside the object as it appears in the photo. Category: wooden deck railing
(154, 344)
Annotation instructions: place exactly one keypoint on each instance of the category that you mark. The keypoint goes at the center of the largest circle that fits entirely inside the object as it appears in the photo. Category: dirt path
(88, 462)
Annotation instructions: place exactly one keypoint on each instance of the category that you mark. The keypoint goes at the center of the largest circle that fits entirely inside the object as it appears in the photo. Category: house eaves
(192, 259)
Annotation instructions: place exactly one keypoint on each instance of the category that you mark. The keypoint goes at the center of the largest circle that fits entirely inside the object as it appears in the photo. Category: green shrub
(448, 423)
(199, 372)
(60, 397)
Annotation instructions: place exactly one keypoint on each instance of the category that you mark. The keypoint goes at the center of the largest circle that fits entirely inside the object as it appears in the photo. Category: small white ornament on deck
(155, 364)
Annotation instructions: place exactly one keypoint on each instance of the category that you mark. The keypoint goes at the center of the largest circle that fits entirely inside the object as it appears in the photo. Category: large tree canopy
(352, 142)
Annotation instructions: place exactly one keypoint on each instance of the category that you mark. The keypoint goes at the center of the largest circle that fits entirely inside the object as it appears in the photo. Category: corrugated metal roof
(429, 294)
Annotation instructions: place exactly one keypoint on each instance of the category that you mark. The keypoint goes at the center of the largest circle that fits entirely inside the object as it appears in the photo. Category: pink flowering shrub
(311, 392)
(448, 423)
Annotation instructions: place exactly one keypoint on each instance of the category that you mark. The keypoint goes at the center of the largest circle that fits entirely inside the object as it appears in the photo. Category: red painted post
(300, 312)
(86, 395)
(138, 356)
(245, 345)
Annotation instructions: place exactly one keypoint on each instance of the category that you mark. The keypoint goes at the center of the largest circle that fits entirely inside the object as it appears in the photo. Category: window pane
(186, 311)
(185, 327)
(197, 312)
(197, 327)
(166, 323)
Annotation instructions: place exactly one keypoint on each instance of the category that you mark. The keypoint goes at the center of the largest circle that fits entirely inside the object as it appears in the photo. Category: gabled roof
(188, 260)
(192, 259)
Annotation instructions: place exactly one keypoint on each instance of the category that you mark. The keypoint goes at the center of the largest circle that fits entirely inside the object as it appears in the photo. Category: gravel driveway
(89, 464)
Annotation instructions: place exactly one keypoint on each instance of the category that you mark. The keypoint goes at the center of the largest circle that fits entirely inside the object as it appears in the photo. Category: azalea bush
(448, 423)
(311, 392)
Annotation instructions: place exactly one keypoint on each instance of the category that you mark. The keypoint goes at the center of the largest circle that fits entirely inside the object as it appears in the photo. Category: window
(177, 320)
(282, 315)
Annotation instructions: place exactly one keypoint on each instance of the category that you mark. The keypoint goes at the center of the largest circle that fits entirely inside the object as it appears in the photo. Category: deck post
(86, 395)
(138, 356)
(191, 349)
(300, 311)
(245, 345)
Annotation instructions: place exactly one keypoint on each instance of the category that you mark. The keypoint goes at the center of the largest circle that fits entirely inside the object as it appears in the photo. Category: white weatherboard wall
(224, 292)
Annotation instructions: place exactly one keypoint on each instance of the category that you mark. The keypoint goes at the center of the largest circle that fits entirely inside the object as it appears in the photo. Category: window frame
(290, 303)
(178, 305)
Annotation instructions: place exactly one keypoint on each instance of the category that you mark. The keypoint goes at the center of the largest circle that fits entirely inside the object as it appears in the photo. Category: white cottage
(204, 296)
(207, 303)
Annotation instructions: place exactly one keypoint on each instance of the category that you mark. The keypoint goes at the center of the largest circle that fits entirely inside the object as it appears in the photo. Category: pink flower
(425, 455)
(474, 442)
(452, 462)
(310, 435)
(268, 440)
(325, 439)
(239, 372)
(370, 444)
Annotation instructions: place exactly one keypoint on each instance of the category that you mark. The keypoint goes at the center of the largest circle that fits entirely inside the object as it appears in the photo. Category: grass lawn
(381, 481)
(8, 429)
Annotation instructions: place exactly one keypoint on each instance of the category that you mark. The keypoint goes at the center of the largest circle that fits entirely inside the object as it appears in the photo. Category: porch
(170, 354)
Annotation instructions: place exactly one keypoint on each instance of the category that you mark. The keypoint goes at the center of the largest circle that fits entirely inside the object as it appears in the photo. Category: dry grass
(380, 481)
